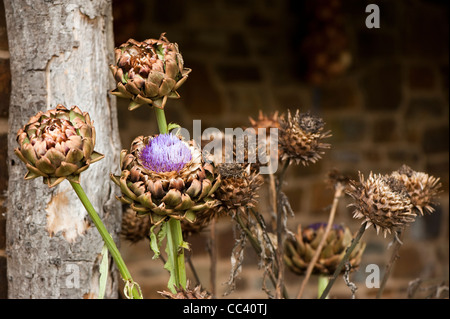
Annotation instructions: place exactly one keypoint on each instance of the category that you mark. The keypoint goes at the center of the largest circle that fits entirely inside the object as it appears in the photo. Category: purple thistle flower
(165, 153)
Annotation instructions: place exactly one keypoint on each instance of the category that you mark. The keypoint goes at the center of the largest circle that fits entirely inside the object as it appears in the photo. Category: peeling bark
(60, 53)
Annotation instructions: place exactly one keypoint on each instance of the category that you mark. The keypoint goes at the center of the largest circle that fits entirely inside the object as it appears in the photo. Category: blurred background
(383, 92)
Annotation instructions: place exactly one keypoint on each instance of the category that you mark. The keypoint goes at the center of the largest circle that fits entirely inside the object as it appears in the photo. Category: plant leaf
(172, 126)
(156, 239)
(103, 273)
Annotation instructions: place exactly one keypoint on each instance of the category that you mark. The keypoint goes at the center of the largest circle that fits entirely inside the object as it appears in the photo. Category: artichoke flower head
(299, 251)
(148, 72)
(165, 176)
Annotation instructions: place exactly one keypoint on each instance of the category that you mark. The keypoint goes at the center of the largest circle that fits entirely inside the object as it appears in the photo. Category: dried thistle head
(382, 201)
(422, 188)
(300, 138)
(264, 121)
(238, 189)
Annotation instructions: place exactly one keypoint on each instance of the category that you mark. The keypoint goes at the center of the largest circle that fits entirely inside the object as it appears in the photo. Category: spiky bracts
(382, 201)
(301, 138)
(57, 144)
(238, 189)
(422, 188)
(180, 194)
(148, 72)
(300, 250)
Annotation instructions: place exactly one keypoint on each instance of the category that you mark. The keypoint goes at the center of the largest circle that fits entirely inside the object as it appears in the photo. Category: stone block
(238, 72)
(405, 156)
(410, 263)
(199, 93)
(435, 139)
(347, 130)
(375, 44)
(421, 78)
(384, 130)
(382, 87)
(321, 199)
(425, 108)
(339, 96)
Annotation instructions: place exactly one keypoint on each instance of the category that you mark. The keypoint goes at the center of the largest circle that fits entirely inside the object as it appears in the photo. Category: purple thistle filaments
(165, 153)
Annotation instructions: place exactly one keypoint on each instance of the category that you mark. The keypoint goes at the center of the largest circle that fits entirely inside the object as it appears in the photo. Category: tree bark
(60, 52)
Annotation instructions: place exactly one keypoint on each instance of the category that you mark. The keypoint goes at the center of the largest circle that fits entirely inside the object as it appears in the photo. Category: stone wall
(389, 107)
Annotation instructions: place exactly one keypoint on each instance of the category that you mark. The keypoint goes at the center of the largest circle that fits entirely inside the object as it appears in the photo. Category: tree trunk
(60, 52)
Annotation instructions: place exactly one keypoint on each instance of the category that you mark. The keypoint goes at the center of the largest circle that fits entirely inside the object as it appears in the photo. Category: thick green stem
(175, 252)
(109, 242)
(161, 119)
(321, 285)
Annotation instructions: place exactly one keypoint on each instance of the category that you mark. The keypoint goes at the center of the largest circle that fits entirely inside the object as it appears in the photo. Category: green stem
(321, 285)
(175, 253)
(161, 119)
(175, 248)
(109, 242)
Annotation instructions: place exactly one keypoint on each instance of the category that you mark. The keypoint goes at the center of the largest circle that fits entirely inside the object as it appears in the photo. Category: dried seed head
(300, 138)
(266, 122)
(382, 201)
(421, 187)
(238, 189)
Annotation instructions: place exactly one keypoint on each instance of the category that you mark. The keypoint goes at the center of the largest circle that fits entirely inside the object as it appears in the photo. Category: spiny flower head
(421, 187)
(165, 153)
(300, 138)
(165, 176)
(382, 201)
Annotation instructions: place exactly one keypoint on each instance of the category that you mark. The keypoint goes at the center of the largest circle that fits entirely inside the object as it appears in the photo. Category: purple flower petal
(165, 153)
